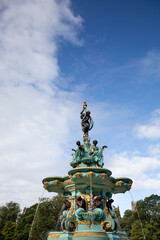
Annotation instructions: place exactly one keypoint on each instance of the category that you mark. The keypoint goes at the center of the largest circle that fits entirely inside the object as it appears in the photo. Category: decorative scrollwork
(119, 183)
(79, 175)
(72, 209)
(106, 226)
(72, 226)
(57, 183)
(90, 174)
(88, 222)
(102, 176)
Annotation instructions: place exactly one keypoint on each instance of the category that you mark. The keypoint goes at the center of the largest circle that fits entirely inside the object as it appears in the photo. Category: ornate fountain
(87, 190)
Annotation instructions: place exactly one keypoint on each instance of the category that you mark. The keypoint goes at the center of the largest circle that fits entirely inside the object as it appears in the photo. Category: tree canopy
(45, 220)
(149, 213)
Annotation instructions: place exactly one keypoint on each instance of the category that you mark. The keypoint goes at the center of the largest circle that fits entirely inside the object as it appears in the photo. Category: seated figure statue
(96, 153)
(79, 153)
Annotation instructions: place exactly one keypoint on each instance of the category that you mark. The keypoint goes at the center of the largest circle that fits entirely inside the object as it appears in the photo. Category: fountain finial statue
(87, 121)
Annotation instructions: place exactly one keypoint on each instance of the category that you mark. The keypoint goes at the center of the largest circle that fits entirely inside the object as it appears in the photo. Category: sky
(54, 56)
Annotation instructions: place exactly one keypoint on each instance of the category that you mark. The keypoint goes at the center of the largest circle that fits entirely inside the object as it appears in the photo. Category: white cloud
(28, 45)
(36, 116)
(143, 170)
(150, 130)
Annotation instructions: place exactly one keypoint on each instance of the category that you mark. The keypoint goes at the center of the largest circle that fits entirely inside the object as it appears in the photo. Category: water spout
(30, 232)
(59, 215)
(91, 202)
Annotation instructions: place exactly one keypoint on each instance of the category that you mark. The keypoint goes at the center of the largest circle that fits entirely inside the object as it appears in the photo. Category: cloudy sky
(57, 54)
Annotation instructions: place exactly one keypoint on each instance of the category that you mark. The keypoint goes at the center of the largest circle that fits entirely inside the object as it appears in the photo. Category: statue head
(99, 198)
(78, 143)
(88, 113)
(111, 200)
(95, 142)
(79, 198)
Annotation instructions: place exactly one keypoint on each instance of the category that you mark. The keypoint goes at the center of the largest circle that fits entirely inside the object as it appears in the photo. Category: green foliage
(1, 236)
(24, 224)
(45, 220)
(127, 221)
(149, 209)
(9, 212)
(149, 212)
(8, 230)
(136, 231)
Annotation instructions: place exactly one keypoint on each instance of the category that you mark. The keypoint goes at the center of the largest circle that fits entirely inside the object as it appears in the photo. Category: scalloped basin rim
(90, 169)
(87, 169)
(124, 179)
(61, 179)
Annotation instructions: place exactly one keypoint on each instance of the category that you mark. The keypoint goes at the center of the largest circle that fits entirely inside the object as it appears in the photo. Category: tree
(136, 232)
(24, 224)
(45, 219)
(149, 213)
(9, 212)
(127, 221)
(8, 230)
(149, 208)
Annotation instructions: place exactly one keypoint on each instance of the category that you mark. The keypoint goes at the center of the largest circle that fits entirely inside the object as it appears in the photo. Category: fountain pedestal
(89, 235)
(87, 190)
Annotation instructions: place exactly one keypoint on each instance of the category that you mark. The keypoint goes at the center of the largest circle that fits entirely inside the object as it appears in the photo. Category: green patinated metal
(87, 190)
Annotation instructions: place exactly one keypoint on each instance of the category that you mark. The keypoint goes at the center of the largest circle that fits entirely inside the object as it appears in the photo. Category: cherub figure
(67, 204)
(97, 201)
(81, 203)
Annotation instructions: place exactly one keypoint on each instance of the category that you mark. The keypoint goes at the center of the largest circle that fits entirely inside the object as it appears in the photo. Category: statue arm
(82, 115)
(104, 147)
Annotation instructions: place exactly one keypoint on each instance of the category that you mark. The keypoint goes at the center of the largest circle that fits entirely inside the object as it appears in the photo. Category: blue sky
(54, 56)
(117, 37)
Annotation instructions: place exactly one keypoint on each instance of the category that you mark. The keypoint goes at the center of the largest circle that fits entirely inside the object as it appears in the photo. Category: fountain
(87, 190)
